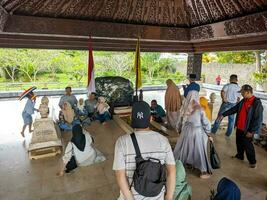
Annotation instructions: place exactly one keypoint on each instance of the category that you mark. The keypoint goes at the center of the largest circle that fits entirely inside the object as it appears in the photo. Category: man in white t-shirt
(151, 144)
(230, 97)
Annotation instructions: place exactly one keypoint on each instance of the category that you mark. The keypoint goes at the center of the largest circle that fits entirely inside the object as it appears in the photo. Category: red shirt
(242, 117)
(218, 78)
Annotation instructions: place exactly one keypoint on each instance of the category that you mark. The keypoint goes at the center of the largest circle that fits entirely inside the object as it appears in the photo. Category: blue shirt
(192, 86)
(29, 107)
(71, 99)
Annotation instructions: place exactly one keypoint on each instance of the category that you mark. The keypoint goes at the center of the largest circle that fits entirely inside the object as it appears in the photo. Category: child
(90, 105)
(102, 108)
(157, 112)
(28, 111)
(82, 113)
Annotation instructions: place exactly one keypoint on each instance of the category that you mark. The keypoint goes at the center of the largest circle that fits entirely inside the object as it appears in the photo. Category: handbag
(214, 158)
(72, 164)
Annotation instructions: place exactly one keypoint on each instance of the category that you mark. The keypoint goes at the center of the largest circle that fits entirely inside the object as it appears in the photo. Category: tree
(32, 62)
(9, 62)
(238, 57)
(168, 65)
(209, 57)
(113, 63)
(150, 64)
(76, 64)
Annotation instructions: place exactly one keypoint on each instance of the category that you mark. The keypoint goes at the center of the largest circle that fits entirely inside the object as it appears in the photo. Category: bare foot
(22, 133)
(60, 173)
(104, 123)
(30, 131)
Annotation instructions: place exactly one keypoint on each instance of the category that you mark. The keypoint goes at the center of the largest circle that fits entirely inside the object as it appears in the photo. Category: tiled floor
(22, 179)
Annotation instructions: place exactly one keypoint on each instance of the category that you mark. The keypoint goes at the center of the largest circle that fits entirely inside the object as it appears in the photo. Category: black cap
(140, 115)
(192, 76)
(246, 88)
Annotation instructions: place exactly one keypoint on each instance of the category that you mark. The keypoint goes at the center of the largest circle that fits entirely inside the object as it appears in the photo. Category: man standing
(192, 86)
(249, 119)
(151, 145)
(68, 97)
(230, 97)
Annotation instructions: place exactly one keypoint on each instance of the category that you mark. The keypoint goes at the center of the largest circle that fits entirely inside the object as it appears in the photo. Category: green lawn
(45, 81)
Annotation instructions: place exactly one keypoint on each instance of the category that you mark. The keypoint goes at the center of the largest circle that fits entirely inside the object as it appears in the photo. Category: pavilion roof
(163, 25)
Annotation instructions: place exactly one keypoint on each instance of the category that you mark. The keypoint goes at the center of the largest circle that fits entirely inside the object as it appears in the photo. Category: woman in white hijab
(102, 109)
(79, 151)
(191, 146)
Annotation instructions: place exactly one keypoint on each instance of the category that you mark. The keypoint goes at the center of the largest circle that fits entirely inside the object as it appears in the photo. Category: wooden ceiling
(178, 13)
(163, 25)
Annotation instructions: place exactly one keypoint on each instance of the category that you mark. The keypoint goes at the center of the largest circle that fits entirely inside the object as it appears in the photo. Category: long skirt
(172, 119)
(191, 147)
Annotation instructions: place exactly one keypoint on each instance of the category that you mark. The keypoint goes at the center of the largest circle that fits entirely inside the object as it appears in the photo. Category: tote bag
(214, 158)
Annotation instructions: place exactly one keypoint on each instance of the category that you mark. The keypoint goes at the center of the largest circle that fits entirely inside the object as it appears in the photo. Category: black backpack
(149, 176)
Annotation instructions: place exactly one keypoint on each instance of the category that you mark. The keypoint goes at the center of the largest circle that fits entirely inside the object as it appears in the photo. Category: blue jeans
(231, 119)
(103, 117)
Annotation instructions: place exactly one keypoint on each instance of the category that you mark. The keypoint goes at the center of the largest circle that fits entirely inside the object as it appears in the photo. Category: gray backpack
(149, 176)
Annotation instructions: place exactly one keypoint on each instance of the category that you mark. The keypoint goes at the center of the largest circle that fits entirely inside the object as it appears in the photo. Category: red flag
(91, 78)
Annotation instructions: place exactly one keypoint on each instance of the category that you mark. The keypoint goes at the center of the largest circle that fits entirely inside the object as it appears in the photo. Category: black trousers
(245, 145)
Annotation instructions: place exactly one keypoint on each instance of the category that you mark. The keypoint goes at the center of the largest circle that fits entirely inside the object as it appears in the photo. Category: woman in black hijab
(79, 151)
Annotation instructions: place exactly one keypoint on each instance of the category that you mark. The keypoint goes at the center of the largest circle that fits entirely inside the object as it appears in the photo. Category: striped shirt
(151, 144)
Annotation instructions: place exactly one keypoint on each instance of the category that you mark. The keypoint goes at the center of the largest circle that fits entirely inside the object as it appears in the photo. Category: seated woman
(79, 151)
(183, 191)
(67, 117)
(90, 105)
(227, 190)
(157, 112)
(102, 109)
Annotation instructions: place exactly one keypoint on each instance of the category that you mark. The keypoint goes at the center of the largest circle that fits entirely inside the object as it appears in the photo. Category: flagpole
(137, 55)
(90, 75)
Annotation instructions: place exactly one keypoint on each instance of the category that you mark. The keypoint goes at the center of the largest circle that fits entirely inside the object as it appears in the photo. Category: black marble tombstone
(117, 90)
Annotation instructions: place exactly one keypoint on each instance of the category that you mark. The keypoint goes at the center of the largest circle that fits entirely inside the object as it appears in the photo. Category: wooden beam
(55, 26)
(33, 41)
(56, 42)
(128, 129)
(242, 43)
(248, 26)
(169, 133)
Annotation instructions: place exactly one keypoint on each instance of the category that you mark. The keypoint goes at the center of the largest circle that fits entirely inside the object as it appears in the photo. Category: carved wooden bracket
(3, 18)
